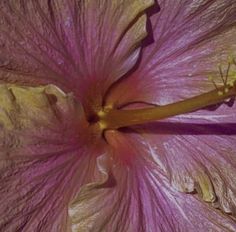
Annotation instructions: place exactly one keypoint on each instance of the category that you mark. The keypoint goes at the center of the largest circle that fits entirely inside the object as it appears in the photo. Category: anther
(210, 78)
(228, 77)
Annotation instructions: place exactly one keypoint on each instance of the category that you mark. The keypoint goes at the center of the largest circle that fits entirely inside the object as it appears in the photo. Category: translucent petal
(43, 157)
(190, 40)
(198, 152)
(138, 197)
(83, 46)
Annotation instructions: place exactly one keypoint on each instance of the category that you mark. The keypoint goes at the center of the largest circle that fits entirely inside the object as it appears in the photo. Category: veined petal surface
(138, 197)
(197, 150)
(198, 153)
(190, 40)
(43, 157)
(83, 46)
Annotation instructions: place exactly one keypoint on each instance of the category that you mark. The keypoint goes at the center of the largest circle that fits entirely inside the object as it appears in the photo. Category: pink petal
(43, 158)
(71, 43)
(197, 151)
(190, 39)
(138, 197)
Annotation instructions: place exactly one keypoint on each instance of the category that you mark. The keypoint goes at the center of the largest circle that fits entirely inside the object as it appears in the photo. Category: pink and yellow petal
(191, 39)
(197, 151)
(43, 157)
(139, 197)
(112, 32)
(83, 46)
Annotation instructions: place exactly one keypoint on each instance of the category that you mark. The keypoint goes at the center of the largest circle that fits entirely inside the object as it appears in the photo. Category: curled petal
(197, 151)
(138, 197)
(190, 40)
(70, 43)
(41, 168)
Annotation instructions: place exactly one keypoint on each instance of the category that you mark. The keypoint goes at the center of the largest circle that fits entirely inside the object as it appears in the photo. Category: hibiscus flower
(117, 116)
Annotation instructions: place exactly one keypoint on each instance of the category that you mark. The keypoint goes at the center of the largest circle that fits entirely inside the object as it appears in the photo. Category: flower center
(109, 118)
(114, 118)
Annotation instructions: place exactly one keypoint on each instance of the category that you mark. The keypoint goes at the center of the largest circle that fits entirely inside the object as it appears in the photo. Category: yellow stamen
(114, 118)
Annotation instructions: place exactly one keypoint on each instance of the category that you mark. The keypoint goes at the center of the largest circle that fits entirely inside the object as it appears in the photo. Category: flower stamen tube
(114, 118)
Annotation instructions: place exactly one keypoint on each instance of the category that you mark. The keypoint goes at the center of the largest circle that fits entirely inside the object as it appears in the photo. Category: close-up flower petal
(191, 40)
(117, 116)
(82, 46)
(138, 197)
(198, 157)
(41, 167)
